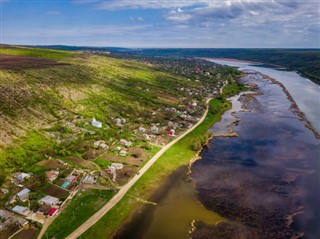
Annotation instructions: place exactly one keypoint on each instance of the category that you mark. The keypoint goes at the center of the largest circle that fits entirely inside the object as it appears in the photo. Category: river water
(262, 184)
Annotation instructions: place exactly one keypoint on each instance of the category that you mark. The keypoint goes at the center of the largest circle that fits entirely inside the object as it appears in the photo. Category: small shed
(49, 200)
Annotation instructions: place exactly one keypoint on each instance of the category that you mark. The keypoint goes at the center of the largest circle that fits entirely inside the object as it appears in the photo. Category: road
(110, 204)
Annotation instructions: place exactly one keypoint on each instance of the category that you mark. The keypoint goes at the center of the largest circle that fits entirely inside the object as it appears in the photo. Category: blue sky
(162, 23)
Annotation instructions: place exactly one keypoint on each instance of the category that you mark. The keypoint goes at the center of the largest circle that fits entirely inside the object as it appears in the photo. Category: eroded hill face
(48, 99)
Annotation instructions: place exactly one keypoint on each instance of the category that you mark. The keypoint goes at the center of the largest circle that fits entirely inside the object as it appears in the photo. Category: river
(262, 184)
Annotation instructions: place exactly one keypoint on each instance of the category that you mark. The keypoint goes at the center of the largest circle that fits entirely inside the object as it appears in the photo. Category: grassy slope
(91, 86)
(77, 212)
(178, 155)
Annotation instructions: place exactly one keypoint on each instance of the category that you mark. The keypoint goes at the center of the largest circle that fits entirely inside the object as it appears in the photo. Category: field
(80, 208)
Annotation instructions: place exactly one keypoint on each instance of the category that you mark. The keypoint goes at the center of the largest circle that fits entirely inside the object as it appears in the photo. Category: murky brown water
(177, 208)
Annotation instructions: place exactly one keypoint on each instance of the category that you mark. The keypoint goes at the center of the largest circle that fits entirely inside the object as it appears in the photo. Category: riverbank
(178, 155)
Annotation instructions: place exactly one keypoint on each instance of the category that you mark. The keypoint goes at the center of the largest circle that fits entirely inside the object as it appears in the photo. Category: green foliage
(29, 151)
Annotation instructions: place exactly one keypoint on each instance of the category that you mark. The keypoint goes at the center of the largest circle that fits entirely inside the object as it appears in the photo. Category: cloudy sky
(162, 23)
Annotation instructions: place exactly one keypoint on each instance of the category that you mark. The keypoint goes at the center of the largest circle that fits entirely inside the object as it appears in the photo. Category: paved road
(110, 204)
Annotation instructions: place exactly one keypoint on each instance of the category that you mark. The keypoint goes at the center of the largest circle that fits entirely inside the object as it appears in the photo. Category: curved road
(110, 204)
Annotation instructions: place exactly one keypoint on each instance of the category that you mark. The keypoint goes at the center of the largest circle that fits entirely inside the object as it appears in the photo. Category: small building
(96, 123)
(171, 132)
(154, 129)
(23, 195)
(49, 200)
(53, 211)
(21, 210)
(22, 176)
(117, 166)
(52, 175)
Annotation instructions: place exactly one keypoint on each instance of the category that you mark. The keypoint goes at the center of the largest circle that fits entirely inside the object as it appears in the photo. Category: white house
(49, 200)
(96, 123)
(23, 195)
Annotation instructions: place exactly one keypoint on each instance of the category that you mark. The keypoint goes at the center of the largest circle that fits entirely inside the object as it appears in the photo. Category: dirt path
(109, 205)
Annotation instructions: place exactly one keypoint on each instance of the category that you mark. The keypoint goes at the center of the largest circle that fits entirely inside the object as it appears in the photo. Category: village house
(96, 123)
(21, 210)
(23, 195)
(52, 175)
(49, 200)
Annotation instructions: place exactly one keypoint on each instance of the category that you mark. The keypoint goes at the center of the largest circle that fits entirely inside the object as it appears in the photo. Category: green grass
(103, 163)
(77, 212)
(37, 52)
(179, 154)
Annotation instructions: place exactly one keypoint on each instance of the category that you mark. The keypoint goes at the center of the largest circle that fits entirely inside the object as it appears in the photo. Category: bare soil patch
(57, 192)
(30, 233)
(23, 62)
(128, 160)
(50, 164)
(125, 174)
(6, 233)
(82, 162)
